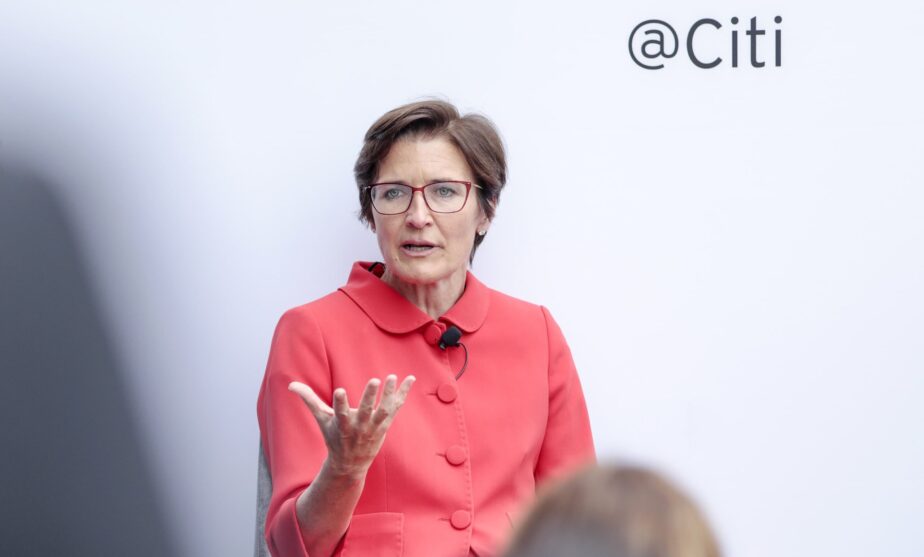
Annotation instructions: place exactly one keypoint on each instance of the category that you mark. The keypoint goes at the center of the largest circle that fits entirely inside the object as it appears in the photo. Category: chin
(416, 271)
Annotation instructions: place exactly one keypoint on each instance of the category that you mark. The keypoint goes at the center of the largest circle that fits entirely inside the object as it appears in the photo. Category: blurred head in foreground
(614, 511)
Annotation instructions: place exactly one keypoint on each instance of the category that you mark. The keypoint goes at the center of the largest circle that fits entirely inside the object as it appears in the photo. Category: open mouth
(413, 247)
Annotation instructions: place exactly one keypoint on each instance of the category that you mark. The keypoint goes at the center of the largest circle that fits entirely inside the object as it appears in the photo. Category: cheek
(463, 236)
(383, 235)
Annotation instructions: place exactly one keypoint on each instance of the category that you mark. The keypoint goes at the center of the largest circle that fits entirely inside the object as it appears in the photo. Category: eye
(447, 190)
(391, 193)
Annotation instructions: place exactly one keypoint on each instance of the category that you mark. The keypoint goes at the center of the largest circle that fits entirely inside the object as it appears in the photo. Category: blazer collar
(394, 313)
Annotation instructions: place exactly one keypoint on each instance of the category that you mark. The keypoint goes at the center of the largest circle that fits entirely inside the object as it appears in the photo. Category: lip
(418, 243)
(425, 253)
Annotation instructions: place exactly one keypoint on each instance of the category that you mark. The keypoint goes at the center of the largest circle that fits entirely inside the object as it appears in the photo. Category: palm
(355, 435)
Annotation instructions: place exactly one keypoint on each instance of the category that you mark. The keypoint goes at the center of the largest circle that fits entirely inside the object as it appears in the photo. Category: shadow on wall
(72, 476)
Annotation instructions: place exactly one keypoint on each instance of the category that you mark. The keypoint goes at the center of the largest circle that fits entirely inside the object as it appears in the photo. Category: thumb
(321, 411)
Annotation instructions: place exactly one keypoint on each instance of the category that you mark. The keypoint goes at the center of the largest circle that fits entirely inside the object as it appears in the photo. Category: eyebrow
(433, 181)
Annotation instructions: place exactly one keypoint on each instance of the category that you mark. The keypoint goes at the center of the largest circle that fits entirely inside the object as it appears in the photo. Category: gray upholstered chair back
(264, 490)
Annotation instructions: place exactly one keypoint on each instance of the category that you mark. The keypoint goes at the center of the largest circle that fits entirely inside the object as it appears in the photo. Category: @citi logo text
(653, 42)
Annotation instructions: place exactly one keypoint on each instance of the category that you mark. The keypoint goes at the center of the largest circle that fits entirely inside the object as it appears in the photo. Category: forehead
(423, 160)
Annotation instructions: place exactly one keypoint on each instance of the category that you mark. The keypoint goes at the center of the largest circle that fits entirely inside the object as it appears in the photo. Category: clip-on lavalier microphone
(452, 337)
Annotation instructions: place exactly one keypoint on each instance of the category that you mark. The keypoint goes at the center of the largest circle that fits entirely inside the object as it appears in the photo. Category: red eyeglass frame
(468, 190)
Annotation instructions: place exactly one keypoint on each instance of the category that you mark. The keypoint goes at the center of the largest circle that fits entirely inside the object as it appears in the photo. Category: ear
(484, 223)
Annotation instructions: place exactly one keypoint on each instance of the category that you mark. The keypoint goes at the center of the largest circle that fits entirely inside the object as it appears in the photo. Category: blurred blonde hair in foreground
(614, 511)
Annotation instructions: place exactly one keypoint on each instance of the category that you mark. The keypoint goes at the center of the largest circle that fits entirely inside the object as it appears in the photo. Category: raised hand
(355, 435)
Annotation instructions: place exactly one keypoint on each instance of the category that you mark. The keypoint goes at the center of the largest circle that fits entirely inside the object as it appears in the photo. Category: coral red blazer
(462, 458)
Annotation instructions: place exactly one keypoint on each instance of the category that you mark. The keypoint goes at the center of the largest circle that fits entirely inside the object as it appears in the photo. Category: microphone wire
(465, 364)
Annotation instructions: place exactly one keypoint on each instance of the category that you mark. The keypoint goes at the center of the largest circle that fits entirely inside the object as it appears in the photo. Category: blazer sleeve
(568, 442)
(292, 441)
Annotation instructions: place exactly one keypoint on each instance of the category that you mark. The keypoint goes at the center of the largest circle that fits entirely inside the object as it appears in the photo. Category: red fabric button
(432, 333)
(456, 455)
(447, 392)
(460, 520)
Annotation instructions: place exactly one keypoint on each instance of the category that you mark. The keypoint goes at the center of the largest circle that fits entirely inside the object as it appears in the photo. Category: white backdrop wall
(734, 254)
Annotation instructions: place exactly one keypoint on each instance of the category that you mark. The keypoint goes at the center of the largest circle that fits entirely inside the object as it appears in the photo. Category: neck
(434, 299)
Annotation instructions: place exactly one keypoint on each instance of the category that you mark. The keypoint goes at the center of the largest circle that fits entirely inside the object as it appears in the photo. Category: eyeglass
(448, 196)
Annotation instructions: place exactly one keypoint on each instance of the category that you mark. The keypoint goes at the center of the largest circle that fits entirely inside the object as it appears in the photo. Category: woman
(483, 419)
(617, 511)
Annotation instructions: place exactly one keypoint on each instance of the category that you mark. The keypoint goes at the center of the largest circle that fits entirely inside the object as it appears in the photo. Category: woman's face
(449, 236)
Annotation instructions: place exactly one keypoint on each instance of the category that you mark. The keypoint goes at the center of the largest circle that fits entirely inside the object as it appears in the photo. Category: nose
(418, 214)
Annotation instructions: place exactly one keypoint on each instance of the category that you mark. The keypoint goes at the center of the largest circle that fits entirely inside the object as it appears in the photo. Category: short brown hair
(473, 134)
(614, 511)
